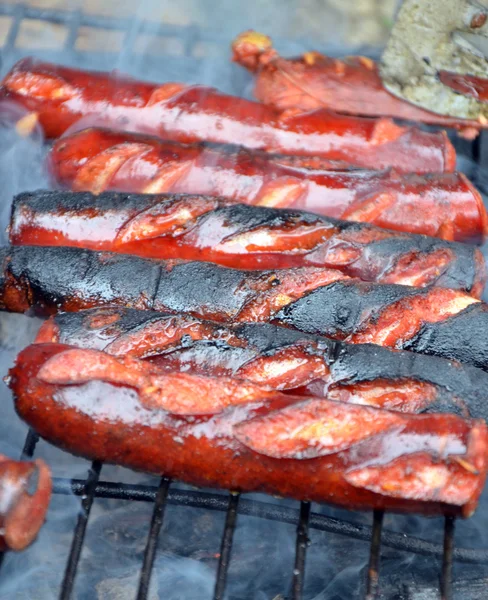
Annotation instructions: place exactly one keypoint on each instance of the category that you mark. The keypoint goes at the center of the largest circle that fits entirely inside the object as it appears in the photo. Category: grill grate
(92, 487)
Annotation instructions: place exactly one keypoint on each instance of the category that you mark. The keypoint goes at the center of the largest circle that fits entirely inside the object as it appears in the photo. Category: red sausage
(25, 492)
(352, 85)
(444, 205)
(182, 113)
(223, 433)
(242, 237)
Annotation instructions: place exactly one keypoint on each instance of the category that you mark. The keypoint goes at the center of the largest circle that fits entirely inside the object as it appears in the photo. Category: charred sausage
(233, 435)
(25, 492)
(444, 205)
(242, 236)
(434, 320)
(52, 279)
(280, 358)
(61, 96)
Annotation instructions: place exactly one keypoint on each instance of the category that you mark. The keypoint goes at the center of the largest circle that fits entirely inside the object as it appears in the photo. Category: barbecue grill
(189, 65)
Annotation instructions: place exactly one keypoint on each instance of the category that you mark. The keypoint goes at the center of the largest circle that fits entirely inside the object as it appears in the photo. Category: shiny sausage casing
(25, 492)
(61, 96)
(242, 236)
(444, 205)
(350, 85)
(129, 413)
(279, 358)
(326, 302)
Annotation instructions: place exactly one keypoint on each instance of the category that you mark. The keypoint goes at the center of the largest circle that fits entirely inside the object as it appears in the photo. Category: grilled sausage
(61, 96)
(352, 85)
(280, 358)
(52, 279)
(330, 303)
(233, 435)
(25, 492)
(444, 205)
(242, 236)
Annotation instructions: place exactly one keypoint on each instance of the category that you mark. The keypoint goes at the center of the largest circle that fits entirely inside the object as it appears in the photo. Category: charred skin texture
(61, 96)
(326, 302)
(351, 85)
(444, 205)
(457, 336)
(51, 279)
(128, 412)
(280, 358)
(25, 492)
(242, 236)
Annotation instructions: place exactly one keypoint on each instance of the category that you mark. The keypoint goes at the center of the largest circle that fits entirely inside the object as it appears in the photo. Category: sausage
(279, 358)
(332, 304)
(351, 85)
(243, 236)
(233, 435)
(58, 278)
(25, 492)
(61, 96)
(444, 205)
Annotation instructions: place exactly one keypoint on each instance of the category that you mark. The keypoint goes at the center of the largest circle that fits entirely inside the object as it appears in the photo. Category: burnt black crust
(49, 201)
(338, 309)
(463, 337)
(462, 389)
(459, 273)
(204, 288)
(57, 275)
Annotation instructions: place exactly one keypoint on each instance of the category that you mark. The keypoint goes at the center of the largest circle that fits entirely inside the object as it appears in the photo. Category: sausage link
(242, 236)
(279, 358)
(444, 205)
(228, 434)
(352, 85)
(61, 96)
(434, 320)
(25, 492)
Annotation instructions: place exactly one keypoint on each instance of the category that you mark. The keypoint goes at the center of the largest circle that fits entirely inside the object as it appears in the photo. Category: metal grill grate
(92, 487)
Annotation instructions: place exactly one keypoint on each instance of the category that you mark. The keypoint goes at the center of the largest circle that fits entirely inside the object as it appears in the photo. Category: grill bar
(373, 576)
(301, 551)
(446, 577)
(80, 529)
(30, 444)
(272, 512)
(226, 546)
(152, 539)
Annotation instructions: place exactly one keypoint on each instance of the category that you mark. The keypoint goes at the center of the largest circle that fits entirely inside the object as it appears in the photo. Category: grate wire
(153, 537)
(80, 530)
(226, 546)
(301, 551)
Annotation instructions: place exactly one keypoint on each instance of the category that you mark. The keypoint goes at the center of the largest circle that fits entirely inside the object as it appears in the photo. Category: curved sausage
(61, 96)
(25, 492)
(227, 434)
(242, 236)
(313, 81)
(444, 205)
(280, 358)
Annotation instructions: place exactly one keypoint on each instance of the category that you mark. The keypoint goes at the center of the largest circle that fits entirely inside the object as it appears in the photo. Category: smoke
(194, 48)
